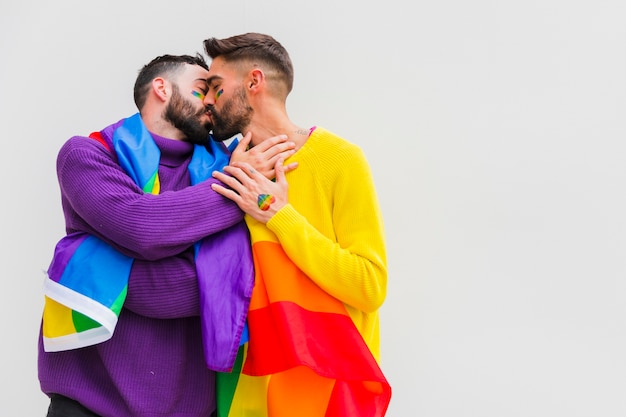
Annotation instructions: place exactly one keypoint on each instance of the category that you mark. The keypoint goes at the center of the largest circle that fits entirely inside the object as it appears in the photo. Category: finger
(243, 144)
(229, 180)
(242, 173)
(271, 142)
(217, 187)
(245, 141)
(280, 171)
(246, 168)
(282, 153)
(274, 154)
(228, 193)
(290, 167)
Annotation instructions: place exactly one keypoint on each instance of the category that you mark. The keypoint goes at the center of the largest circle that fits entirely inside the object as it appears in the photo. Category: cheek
(198, 95)
(218, 94)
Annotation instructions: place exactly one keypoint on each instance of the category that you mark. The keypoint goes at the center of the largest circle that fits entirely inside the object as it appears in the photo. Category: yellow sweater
(332, 228)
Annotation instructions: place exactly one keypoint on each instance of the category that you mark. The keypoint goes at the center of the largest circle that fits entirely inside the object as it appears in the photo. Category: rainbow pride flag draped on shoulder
(87, 279)
(305, 357)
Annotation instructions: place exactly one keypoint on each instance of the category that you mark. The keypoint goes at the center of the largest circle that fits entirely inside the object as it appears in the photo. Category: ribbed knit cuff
(284, 219)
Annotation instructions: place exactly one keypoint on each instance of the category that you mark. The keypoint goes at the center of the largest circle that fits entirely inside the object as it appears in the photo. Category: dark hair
(162, 65)
(254, 48)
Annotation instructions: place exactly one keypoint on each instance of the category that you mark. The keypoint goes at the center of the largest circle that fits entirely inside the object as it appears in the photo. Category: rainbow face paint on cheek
(197, 94)
(219, 93)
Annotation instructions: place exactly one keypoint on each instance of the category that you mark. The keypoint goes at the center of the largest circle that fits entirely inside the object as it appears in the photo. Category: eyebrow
(214, 77)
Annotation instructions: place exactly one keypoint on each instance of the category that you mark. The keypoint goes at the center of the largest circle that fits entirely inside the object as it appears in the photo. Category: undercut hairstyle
(162, 66)
(255, 49)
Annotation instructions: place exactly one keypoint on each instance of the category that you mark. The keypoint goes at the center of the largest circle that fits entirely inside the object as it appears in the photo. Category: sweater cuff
(283, 220)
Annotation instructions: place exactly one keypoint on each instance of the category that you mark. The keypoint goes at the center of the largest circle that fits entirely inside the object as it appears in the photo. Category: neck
(155, 124)
(296, 134)
(271, 119)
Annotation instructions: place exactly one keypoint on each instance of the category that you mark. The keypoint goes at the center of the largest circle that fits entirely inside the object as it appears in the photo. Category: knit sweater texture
(332, 228)
(154, 364)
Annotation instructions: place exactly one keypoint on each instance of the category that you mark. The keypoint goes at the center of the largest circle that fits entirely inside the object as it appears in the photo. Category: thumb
(243, 143)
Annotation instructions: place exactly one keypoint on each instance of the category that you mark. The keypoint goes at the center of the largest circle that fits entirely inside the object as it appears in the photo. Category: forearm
(100, 199)
(153, 227)
(164, 289)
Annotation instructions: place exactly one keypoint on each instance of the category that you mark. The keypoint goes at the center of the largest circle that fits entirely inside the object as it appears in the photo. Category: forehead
(220, 69)
(192, 73)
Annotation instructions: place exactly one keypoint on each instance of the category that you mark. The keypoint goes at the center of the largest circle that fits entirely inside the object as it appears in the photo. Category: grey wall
(495, 131)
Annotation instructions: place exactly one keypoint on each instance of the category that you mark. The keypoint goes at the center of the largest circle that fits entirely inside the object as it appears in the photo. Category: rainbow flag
(80, 312)
(87, 279)
(305, 357)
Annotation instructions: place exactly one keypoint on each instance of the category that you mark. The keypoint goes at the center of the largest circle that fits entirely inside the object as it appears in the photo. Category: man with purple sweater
(185, 245)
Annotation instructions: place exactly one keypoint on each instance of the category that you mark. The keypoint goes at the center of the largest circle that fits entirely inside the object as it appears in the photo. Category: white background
(495, 131)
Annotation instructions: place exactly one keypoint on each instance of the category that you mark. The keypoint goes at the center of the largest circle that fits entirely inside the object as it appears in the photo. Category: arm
(100, 199)
(165, 288)
(351, 265)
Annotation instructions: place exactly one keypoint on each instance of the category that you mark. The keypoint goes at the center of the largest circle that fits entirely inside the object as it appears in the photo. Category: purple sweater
(154, 364)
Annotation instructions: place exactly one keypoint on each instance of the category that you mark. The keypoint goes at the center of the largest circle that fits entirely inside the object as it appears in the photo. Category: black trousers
(61, 406)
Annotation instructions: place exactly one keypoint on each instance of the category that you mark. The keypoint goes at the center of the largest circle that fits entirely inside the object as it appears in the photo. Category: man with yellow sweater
(318, 245)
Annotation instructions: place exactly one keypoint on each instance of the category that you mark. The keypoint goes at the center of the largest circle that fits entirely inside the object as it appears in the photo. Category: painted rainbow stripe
(264, 201)
(219, 93)
(197, 94)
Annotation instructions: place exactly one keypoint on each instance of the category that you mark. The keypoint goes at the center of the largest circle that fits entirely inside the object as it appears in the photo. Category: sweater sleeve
(165, 289)
(104, 201)
(157, 230)
(351, 265)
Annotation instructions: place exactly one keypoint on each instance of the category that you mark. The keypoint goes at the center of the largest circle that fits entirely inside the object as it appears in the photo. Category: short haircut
(253, 49)
(160, 66)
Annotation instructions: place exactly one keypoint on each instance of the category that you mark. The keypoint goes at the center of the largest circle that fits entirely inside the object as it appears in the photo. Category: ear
(160, 88)
(255, 80)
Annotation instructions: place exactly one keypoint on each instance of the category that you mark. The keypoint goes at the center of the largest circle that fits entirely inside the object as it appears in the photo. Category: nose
(209, 100)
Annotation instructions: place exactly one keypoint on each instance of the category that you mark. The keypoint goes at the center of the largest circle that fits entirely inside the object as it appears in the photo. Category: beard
(186, 117)
(233, 118)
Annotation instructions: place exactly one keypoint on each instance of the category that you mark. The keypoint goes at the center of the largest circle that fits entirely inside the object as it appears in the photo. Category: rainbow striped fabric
(83, 300)
(305, 357)
(87, 279)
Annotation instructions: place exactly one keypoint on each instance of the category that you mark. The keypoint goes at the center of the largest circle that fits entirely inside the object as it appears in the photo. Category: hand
(263, 156)
(256, 195)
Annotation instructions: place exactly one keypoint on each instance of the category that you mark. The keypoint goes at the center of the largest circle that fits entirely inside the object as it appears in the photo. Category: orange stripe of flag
(291, 284)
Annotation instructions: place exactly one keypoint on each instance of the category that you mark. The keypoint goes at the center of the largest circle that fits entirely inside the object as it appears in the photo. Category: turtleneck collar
(173, 152)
